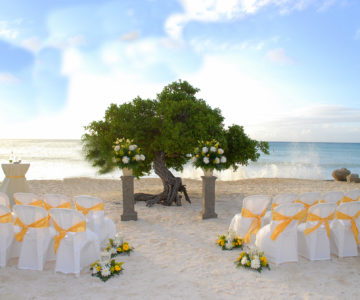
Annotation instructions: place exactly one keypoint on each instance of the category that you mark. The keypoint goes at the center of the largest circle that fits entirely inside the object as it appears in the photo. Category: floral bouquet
(127, 154)
(230, 241)
(252, 259)
(106, 270)
(117, 246)
(208, 155)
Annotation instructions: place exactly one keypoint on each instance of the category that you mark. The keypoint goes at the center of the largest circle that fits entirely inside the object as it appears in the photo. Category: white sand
(175, 253)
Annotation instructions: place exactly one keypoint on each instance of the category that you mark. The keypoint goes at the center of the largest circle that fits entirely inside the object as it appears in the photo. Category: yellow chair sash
(42, 223)
(273, 206)
(7, 218)
(47, 206)
(341, 216)
(286, 221)
(312, 217)
(79, 227)
(37, 203)
(255, 225)
(307, 206)
(347, 199)
(85, 211)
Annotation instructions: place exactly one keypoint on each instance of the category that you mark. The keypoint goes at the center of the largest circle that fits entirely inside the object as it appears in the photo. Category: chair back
(5, 214)
(4, 199)
(284, 198)
(66, 218)
(29, 214)
(89, 205)
(309, 197)
(256, 203)
(333, 197)
(289, 209)
(323, 210)
(353, 194)
(350, 209)
(27, 199)
(56, 201)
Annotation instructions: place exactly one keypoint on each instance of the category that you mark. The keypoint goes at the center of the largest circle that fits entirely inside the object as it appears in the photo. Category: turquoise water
(57, 159)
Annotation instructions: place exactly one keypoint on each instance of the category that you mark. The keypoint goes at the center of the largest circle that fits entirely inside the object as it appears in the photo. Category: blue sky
(286, 70)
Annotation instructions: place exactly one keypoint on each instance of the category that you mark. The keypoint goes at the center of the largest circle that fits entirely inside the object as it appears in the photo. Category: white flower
(223, 159)
(220, 151)
(194, 159)
(188, 155)
(244, 260)
(206, 160)
(204, 149)
(112, 250)
(229, 245)
(142, 156)
(117, 148)
(125, 160)
(132, 147)
(255, 263)
(105, 272)
(212, 149)
(94, 270)
(137, 157)
(217, 160)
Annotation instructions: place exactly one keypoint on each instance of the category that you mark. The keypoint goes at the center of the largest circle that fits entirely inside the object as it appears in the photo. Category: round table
(15, 180)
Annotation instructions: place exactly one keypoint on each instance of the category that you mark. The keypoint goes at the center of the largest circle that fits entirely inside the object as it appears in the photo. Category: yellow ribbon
(85, 211)
(79, 227)
(47, 206)
(286, 221)
(15, 176)
(7, 218)
(312, 217)
(347, 199)
(273, 206)
(42, 223)
(37, 203)
(307, 206)
(255, 225)
(341, 216)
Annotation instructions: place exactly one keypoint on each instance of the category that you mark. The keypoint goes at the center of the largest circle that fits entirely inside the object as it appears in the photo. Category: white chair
(4, 200)
(279, 238)
(6, 234)
(351, 196)
(333, 197)
(56, 201)
(277, 200)
(248, 222)
(27, 199)
(344, 239)
(314, 234)
(308, 199)
(93, 209)
(76, 246)
(34, 234)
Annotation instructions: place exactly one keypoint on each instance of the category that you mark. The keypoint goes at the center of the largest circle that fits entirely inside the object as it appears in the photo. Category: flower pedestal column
(208, 197)
(129, 212)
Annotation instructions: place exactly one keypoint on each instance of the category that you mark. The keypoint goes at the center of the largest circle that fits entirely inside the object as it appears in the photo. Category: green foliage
(174, 123)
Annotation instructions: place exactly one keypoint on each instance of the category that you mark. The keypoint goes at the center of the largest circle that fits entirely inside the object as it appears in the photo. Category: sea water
(58, 159)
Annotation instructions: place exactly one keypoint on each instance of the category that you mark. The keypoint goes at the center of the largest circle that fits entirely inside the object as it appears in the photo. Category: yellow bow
(286, 221)
(313, 217)
(273, 206)
(42, 223)
(7, 218)
(47, 206)
(255, 225)
(307, 206)
(85, 211)
(341, 216)
(347, 199)
(79, 227)
(37, 203)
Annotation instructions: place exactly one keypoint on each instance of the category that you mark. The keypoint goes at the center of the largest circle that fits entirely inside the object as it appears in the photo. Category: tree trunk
(172, 185)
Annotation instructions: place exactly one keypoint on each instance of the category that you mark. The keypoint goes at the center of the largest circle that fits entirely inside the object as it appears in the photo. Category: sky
(286, 70)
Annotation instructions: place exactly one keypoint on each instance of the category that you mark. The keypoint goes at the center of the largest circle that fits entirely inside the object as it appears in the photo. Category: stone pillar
(129, 212)
(208, 197)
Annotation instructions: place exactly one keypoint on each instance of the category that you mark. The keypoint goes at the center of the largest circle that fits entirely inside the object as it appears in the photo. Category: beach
(176, 256)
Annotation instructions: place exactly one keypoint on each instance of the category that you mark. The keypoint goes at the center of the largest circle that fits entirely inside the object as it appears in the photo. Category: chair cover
(277, 200)
(248, 222)
(78, 247)
(6, 234)
(93, 209)
(333, 197)
(314, 235)
(27, 199)
(279, 238)
(351, 196)
(35, 235)
(56, 201)
(4, 200)
(308, 199)
(344, 238)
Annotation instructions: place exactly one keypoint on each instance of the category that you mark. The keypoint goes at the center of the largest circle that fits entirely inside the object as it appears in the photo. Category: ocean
(58, 159)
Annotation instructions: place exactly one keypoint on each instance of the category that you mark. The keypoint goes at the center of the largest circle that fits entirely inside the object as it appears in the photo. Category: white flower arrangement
(127, 154)
(106, 270)
(252, 259)
(118, 246)
(230, 241)
(208, 155)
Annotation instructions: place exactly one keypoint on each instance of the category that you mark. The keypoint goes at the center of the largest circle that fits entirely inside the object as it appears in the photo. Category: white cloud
(279, 56)
(8, 78)
(33, 44)
(130, 36)
(7, 32)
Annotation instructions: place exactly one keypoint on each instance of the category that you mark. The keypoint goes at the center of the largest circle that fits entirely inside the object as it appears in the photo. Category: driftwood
(172, 186)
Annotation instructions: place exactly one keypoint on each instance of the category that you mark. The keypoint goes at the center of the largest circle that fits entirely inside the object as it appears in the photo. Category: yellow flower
(133, 158)
(208, 155)
(263, 260)
(219, 152)
(98, 268)
(112, 269)
(117, 268)
(207, 143)
(119, 249)
(126, 247)
(219, 241)
(222, 243)
(248, 263)
(197, 155)
(129, 152)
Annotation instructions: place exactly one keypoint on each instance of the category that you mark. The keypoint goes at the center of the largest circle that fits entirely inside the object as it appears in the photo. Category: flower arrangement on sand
(252, 259)
(127, 154)
(208, 155)
(106, 270)
(118, 246)
(230, 241)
